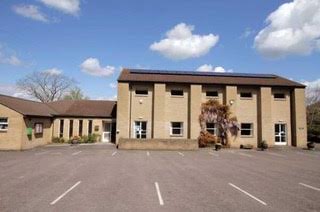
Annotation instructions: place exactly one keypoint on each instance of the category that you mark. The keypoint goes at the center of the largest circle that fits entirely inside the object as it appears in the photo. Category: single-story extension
(155, 109)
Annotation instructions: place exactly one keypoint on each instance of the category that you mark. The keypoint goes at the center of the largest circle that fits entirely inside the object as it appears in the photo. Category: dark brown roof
(84, 108)
(139, 75)
(26, 107)
(80, 108)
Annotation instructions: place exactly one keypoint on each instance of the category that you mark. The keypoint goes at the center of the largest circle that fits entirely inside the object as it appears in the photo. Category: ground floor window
(61, 128)
(4, 124)
(176, 129)
(246, 129)
(38, 128)
(280, 134)
(80, 127)
(90, 127)
(70, 128)
(211, 128)
(140, 129)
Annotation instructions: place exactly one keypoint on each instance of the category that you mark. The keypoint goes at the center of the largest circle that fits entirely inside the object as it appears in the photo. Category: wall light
(231, 102)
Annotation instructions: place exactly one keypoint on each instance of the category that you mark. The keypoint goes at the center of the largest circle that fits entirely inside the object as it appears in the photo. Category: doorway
(280, 134)
(106, 134)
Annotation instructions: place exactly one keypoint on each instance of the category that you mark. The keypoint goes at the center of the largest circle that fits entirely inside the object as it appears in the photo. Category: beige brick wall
(11, 139)
(123, 107)
(195, 110)
(219, 89)
(159, 114)
(265, 128)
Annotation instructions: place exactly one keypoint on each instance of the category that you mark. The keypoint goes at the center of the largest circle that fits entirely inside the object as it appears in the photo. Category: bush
(92, 138)
(84, 139)
(57, 140)
(205, 139)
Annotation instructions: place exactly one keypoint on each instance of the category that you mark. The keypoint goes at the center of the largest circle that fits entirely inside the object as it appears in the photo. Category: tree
(46, 86)
(214, 112)
(75, 94)
(312, 100)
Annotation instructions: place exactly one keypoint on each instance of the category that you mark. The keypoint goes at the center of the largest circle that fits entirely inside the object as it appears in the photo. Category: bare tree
(312, 97)
(75, 94)
(46, 86)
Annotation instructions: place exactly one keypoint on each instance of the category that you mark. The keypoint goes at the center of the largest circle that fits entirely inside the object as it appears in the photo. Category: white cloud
(13, 90)
(293, 29)
(247, 32)
(30, 11)
(9, 58)
(53, 71)
(210, 68)
(112, 98)
(92, 66)
(181, 44)
(113, 85)
(71, 7)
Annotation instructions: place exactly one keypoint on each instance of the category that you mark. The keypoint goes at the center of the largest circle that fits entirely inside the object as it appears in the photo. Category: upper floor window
(246, 95)
(176, 92)
(212, 93)
(4, 124)
(176, 129)
(141, 92)
(246, 129)
(211, 128)
(279, 96)
(38, 128)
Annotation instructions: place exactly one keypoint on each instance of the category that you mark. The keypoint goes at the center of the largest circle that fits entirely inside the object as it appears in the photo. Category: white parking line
(250, 195)
(114, 153)
(309, 186)
(275, 154)
(214, 154)
(56, 153)
(148, 154)
(41, 153)
(159, 193)
(65, 193)
(76, 153)
(180, 153)
(244, 154)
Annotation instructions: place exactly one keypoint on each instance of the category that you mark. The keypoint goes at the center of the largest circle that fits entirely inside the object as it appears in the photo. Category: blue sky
(38, 35)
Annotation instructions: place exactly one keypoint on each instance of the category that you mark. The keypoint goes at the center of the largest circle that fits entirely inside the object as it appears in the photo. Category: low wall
(158, 144)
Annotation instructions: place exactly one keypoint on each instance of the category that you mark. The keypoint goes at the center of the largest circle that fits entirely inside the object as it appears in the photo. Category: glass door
(280, 134)
(140, 129)
(106, 135)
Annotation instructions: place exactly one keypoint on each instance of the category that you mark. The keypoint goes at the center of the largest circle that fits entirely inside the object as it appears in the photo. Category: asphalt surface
(102, 178)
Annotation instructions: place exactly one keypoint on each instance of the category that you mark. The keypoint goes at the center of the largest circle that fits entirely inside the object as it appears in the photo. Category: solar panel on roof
(196, 73)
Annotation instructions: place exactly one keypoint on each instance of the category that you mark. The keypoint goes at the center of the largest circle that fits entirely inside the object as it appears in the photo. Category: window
(80, 127)
(246, 129)
(90, 127)
(3, 124)
(70, 128)
(38, 128)
(61, 128)
(211, 128)
(246, 95)
(212, 93)
(141, 92)
(279, 96)
(140, 129)
(176, 129)
(176, 92)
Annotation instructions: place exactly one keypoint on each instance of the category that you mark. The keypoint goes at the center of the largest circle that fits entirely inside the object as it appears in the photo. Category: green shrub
(84, 139)
(57, 140)
(92, 138)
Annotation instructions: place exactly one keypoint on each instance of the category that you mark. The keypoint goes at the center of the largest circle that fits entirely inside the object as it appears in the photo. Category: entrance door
(140, 129)
(106, 135)
(280, 134)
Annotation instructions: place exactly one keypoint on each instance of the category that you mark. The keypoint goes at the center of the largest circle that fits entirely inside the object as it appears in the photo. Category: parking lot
(103, 178)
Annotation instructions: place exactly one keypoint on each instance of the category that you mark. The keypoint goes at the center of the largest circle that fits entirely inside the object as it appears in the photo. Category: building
(163, 105)
(166, 105)
(25, 124)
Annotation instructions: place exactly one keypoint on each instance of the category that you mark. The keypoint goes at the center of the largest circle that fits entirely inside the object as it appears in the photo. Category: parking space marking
(41, 153)
(245, 154)
(65, 193)
(113, 154)
(275, 154)
(159, 193)
(76, 153)
(214, 154)
(180, 153)
(148, 154)
(309, 186)
(250, 195)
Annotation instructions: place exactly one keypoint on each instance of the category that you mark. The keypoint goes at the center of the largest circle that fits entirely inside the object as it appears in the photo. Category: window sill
(212, 97)
(176, 135)
(141, 95)
(246, 98)
(3, 130)
(278, 99)
(246, 136)
(173, 96)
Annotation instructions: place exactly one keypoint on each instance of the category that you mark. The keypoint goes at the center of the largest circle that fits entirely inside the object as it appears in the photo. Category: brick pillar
(299, 120)
(159, 95)
(123, 114)
(231, 95)
(265, 125)
(75, 127)
(194, 111)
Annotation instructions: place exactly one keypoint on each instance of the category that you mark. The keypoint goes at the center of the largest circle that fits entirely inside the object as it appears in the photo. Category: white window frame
(251, 129)
(137, 94)
(140, 131)
(176, 128)
(214, 129)
(5, 124)
(38, 128)
(212, 97)
(246, 92)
